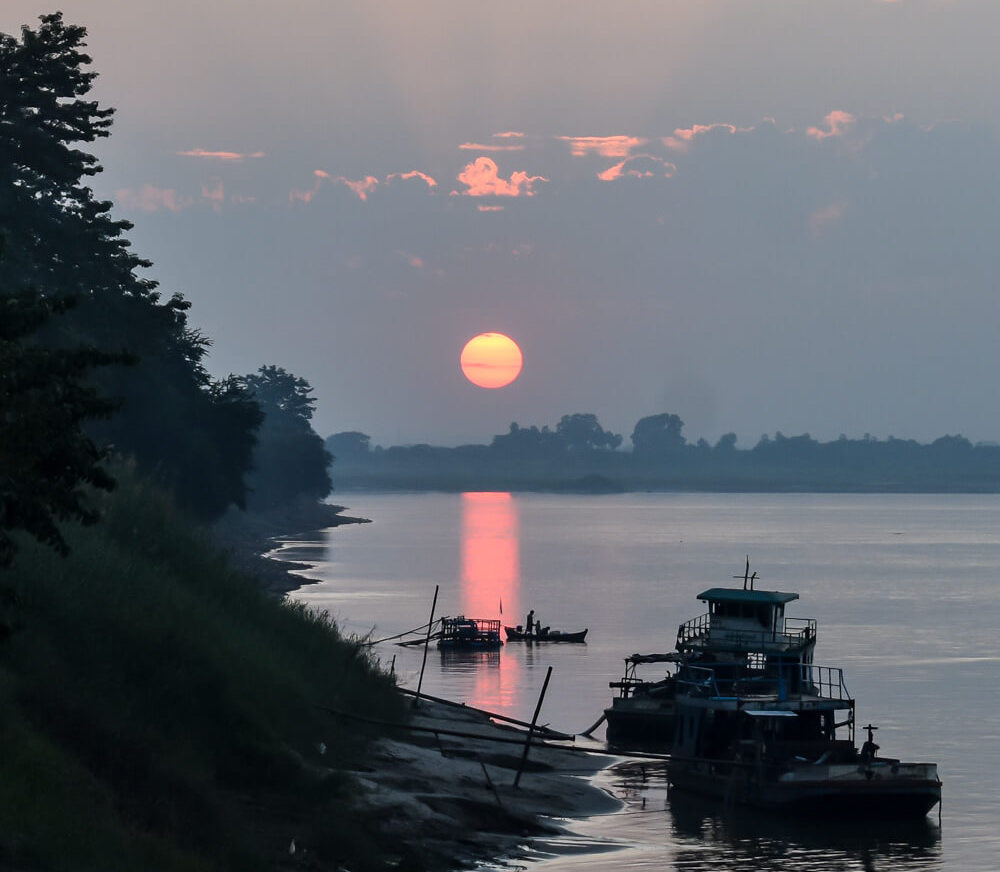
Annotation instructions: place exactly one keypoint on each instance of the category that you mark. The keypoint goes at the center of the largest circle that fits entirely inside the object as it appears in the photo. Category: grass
(159, 711)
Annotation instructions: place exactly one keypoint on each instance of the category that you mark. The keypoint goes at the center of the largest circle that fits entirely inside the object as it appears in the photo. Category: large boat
(754, 721)
(469, 634)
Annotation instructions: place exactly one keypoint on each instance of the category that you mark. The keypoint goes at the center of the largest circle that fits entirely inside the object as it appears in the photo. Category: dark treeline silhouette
(85, 334)
(578, 454)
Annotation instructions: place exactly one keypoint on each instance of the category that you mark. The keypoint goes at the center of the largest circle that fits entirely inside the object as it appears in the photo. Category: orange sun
(491, 360)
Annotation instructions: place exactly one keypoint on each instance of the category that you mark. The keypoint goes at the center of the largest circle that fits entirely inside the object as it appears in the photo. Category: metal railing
(797, 679)
(699, 632)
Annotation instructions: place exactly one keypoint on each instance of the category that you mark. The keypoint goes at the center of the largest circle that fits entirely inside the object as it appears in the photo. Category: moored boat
(469, 634)
(518, 634)
(642, 715)
(756, 722)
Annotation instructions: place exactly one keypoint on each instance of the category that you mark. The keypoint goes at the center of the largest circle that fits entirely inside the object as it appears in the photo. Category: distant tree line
(580, 454)
(94, 360)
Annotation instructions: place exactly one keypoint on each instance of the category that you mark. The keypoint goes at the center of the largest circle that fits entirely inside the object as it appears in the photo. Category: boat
(642, 715)
(518, 634)
(460, 633)
(757, 723)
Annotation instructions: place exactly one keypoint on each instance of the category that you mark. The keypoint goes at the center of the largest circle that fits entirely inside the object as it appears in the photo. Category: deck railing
(699, 632)
(797, 679)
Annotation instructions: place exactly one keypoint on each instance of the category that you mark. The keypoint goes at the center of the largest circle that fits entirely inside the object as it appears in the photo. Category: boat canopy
(770, 713)
(736, 595)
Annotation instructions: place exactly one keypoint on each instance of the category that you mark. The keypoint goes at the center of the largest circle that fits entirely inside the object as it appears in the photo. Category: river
(906, 590)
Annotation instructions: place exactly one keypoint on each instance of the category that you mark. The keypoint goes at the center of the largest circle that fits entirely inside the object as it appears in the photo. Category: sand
(452, 799)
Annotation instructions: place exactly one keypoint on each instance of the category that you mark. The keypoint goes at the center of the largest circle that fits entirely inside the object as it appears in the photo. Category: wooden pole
(531, 729)
(427, 641)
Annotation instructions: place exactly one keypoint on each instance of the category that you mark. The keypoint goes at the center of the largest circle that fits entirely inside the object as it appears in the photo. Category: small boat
(469, 634)
(517, 634)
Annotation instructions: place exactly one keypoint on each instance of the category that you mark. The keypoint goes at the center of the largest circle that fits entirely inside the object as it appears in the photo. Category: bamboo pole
(427, 641)
(531, 729)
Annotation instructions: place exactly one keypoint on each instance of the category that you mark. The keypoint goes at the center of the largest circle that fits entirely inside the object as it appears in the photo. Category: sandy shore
(451, 799)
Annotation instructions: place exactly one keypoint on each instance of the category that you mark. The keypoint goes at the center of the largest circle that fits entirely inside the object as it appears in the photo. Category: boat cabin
(742, 622)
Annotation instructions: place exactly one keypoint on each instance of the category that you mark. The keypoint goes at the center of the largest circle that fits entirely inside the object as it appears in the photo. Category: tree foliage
(582, 432)
(290, 460)
(46, 460)
(194, 434)
(658, 435)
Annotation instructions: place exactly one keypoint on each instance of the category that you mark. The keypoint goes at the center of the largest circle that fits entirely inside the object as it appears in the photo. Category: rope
(400, 635)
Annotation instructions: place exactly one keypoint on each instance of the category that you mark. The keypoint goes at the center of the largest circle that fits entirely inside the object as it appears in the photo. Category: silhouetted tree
(63, 242)
(527, 442)
(657, 435)
(46, 460)
(582, 432)
(290, 461)
(349, 445)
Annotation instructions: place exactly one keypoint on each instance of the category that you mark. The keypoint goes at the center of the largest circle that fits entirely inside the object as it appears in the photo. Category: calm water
(906, 590)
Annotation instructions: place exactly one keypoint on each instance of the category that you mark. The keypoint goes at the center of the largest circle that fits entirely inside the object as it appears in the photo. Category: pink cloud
(214, 193)
(823, 218)
(306, 196)
(641, 166)
(482, 178)
(483, 208)
(509, 134)
(838, 123)
(413, 174)
(605, 146)
(152, 199)
(220, 155)
(361, 188)
(479, 146)
(682, 137)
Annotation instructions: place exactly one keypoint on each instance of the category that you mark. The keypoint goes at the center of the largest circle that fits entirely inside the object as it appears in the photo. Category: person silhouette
(529, 622)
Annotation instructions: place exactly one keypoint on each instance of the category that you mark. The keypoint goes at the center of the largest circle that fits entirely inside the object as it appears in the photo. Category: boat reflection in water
(491, 580)
(700, 835)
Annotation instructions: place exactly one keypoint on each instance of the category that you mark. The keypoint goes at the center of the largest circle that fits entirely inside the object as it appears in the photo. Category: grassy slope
(158, 711)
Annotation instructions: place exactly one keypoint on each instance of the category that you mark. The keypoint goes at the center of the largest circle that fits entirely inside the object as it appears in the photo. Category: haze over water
(903, 587)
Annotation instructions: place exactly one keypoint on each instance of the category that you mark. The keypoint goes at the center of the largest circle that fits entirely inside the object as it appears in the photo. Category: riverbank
(443, 787)
(246, 537)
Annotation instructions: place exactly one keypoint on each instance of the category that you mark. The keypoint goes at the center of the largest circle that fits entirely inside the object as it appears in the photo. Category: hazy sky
(759, 216)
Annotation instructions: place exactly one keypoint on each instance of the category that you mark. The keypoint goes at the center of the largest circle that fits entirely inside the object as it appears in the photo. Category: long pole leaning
(427, 642)
(531, 729)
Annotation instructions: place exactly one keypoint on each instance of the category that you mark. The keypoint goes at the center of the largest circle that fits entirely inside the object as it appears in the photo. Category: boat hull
(844, 792)
(514, 636)
(637, 723)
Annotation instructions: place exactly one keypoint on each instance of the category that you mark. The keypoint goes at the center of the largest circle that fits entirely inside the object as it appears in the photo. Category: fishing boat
(756, 722)
(469, 634)
(518, 634)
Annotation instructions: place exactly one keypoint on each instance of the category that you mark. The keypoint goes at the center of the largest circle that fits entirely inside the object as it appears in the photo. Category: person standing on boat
(529, 622)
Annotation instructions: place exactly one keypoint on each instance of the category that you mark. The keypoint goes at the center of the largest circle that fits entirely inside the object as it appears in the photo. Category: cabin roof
(737, 595)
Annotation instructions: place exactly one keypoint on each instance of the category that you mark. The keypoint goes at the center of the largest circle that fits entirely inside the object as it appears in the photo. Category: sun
(491, 360)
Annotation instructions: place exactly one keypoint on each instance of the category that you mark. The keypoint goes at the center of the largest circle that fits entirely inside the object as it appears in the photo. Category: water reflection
(699, 835)
(491, 576)
(491, 570)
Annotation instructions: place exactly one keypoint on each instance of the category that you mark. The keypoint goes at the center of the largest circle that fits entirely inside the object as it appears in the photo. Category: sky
(777, 216)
